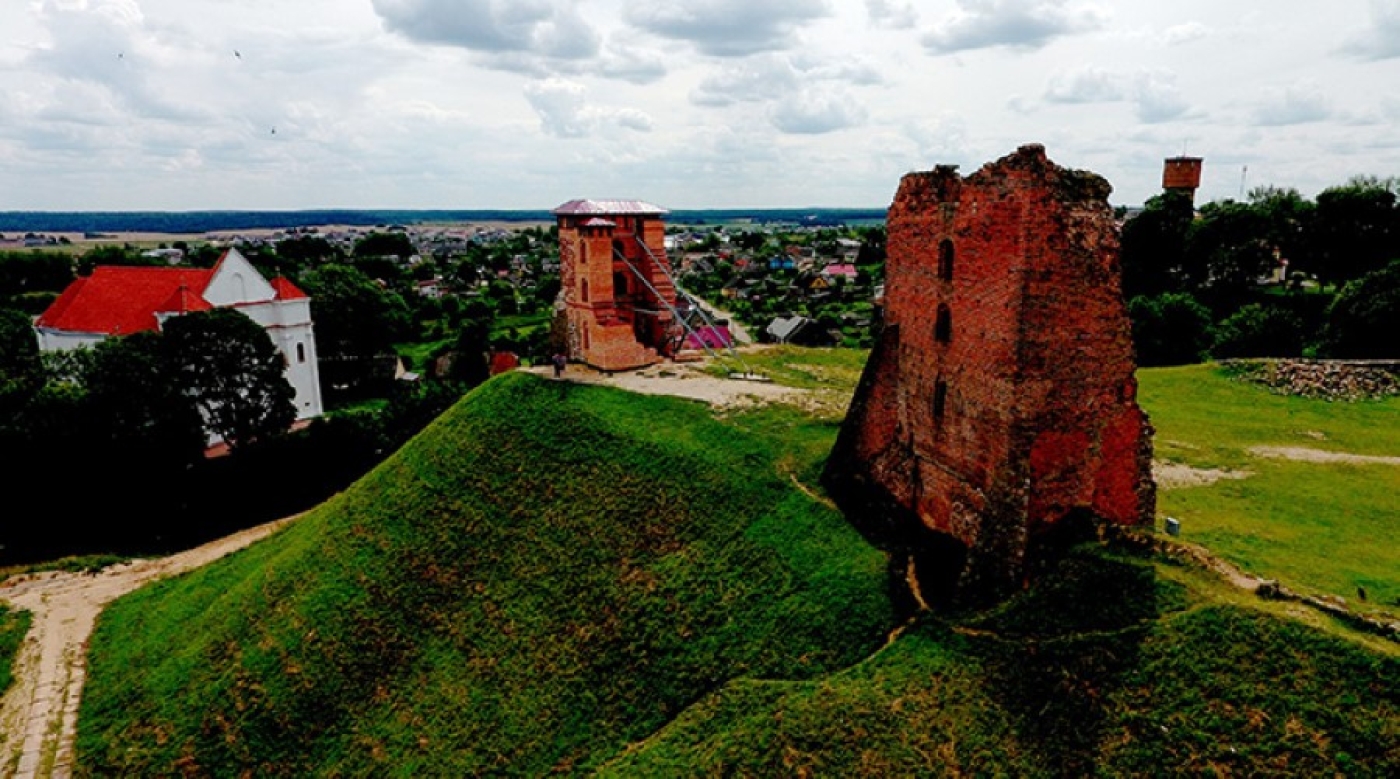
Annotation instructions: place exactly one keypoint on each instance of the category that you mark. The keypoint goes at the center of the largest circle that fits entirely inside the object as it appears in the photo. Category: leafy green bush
(1364, 319)
(1169, 329)
(1258, 331)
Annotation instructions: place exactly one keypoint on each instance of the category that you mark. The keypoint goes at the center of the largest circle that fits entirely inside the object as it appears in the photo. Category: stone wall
(1325, 379)
(999, 407)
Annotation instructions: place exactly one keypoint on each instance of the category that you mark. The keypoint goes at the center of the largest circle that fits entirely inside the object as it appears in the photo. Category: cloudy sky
(290, 104)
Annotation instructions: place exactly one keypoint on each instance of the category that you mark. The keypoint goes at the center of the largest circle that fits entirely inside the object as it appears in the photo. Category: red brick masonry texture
(1000, 400)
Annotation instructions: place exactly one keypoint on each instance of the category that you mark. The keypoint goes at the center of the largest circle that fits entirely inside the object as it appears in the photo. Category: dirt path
(39, 714)
(686, 380)
(1304, 454)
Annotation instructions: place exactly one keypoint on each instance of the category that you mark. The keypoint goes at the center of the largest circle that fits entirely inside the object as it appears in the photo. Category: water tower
(1182, 174)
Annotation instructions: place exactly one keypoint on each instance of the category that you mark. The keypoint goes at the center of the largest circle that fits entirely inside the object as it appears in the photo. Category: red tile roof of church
(120, 300)
(286, 290)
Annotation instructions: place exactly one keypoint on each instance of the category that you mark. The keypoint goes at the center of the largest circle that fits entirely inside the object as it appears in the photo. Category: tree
(1169, 329)
(1154, 248)
(1258, 331)
(21, 371)
(113, 255)
(355, 316)
(1288, 217)
(227, 364)
(1227, 251)
(1356, 231)
(1364, 319)
(309, 249)
(393, 244)
(141, 412)
(469, 364)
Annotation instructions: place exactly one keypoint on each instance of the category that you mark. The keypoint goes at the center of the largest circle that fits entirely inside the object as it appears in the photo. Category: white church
(120, 300)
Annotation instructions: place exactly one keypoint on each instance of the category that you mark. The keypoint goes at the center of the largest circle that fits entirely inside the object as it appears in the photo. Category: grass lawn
(417, 354)
(572, 579)
(1318, 527)
(13, 626)
(547, 573)
(806, 367)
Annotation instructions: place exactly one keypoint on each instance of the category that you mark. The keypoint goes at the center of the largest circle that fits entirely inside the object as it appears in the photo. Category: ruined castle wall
(1001, 397)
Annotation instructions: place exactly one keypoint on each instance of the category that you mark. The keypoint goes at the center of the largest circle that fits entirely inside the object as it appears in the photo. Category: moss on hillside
(547, 573)
(556, 577)
(1156, 682)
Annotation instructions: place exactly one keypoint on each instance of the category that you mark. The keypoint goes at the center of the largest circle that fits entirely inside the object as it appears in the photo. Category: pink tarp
(717, 337)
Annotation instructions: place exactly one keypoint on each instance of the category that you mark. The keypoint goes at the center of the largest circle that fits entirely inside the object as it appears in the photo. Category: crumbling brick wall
(1000, 402)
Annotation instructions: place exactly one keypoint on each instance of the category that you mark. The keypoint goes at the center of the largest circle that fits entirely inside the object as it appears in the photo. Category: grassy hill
(546, 574)
(555, 577)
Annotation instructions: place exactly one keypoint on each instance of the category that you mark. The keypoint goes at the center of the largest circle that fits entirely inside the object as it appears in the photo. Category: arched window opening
(945, 260)
(301, 352)
(583, 291)
(620, 289)
(943, 327)
(583, 253)
(940, 399)
(617, 248)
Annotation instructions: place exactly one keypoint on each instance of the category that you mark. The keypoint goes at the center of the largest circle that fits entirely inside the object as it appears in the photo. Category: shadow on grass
(1055, 655)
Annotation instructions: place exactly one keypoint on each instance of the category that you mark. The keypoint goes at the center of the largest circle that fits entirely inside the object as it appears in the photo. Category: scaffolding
(745, 371)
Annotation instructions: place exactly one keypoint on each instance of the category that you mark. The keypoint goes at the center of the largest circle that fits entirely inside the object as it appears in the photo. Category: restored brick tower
(1182, 174)
(616, 286)
(998, 408)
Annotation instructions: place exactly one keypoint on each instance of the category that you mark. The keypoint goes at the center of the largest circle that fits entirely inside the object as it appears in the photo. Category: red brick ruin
(998, 409)
(616, 283)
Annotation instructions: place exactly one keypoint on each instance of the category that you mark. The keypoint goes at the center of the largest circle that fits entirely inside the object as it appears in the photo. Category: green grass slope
(13, 626)
(1319, 527)
(546, 574)
(562, 578)
(1101, 670)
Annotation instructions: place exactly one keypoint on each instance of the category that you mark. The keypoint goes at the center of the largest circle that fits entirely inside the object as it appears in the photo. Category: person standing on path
(559, 361)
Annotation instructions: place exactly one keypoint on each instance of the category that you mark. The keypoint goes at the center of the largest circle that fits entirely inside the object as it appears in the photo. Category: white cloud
(621, 60)
(1158, 98)
(430, 103)
(892, 14)
(1186, 32)
(565, 113)
(1016, 24)
(1087, 85)
(513, 33)
(1382, 39)
(815, 111)
(1154, 93)
(1298, 103)
(728, 28)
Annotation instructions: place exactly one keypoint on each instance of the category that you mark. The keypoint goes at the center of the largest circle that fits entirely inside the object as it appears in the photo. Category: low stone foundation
(1345, 380)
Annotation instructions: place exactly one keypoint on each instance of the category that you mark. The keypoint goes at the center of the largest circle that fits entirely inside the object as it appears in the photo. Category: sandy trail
(1304, 454)
(39, 714)
(685, 380)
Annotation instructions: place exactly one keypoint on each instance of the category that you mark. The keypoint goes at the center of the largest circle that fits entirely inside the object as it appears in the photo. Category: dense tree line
(120, 447)
(1193, 278)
